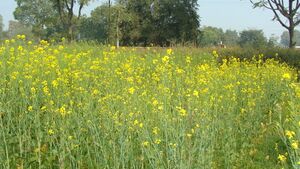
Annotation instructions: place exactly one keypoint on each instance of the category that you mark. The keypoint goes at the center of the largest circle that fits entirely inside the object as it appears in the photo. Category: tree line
(130, 22)
(142, 23)
(207, 36)
(212, 36)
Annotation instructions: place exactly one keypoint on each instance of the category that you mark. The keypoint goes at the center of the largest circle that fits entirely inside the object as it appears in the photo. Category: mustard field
(94, 107)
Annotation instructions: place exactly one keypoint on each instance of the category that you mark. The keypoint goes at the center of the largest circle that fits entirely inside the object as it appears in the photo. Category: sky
(227, 14)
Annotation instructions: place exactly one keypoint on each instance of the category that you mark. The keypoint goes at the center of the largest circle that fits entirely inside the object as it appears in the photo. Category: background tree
(179, 19)
(273, 41)
(66, 10)
(253, 39)
(285, 37)
(230, 38)
(38, 14)
(160, 22)
(284, 10)
(91, 29)
(210, 36)
(97, 26)
(140, 26)
(17, 28)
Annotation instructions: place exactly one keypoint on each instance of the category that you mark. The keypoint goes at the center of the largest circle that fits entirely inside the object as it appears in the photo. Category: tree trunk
(292, 44)
(70, 32)
(118, 41)
(292, 25)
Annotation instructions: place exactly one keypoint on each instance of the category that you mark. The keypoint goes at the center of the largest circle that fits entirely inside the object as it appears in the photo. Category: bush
(288, 56)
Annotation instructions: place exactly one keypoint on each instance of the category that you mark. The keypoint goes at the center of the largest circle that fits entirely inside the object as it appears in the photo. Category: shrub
(288, 56)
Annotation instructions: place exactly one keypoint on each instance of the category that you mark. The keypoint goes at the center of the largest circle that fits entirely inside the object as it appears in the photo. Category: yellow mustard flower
(281, 158)
(50, 132)
(295, 145)
(169, 51)
(166, 59)
(196, 93)
(290, 134)
(157, 141)
(155, 130)
(145, 144)
(30, 108)
(131, 90)
(287, 76)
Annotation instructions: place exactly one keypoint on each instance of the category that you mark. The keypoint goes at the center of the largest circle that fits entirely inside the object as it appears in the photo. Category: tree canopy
(210, 36)
(67, 14)
(38, 14)
(160, 22)
(133, 22)
(253, 38)
(49, 17)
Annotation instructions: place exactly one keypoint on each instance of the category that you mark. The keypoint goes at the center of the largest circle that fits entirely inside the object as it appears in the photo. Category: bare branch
(67, 5)
(277, 15)
(297, 22)
(80, 8)
(283, 10)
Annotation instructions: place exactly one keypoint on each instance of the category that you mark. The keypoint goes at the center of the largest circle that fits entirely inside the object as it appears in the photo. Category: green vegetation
(85, 106)
(133, 22)
(288, 56)
(72, 103)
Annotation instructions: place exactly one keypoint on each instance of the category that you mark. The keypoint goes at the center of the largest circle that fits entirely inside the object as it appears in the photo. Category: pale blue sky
(227, 14)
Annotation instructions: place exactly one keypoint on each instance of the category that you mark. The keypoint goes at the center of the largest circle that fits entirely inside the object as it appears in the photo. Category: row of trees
(212, 36)
(132, 22)
(207, 36)
(135, 22)
(145, 22)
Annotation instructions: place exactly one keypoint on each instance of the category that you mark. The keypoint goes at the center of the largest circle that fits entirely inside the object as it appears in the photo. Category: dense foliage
(51, 17)
(161, 22)
(252, 38)
(132, 22)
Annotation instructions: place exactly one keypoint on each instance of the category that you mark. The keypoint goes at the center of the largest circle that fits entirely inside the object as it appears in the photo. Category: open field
(85, 106)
